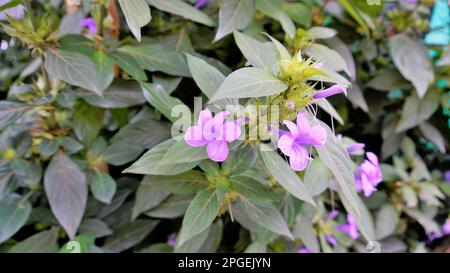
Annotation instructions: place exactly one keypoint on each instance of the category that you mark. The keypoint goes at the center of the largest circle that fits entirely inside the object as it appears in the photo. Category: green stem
(45, 74)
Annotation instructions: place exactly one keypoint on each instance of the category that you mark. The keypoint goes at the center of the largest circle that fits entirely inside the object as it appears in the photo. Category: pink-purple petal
(194, 136)
(299, 158)
(217, 150)
(285, 144)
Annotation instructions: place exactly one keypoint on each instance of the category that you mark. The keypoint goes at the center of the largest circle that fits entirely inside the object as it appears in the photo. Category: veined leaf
(14, 213)
(199, 215)
(258, 54)
(66, 189)
(249, 82)
(137, 13)
(234, 15)
(184, 10)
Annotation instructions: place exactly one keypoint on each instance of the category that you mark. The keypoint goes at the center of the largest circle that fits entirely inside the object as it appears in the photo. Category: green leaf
(129, 235)
(317, 177)
(336, 158)
(415, 111)
(304, 230)
(284, 175)
(299, 12)
(148, 196)
(283, 53)
(42, 242)
(121, 94)
(181, 152)
(199, 215)
(103, 187)
(424, 220)
(325, 105)
(87, 121)
(258, 54)
(173, 207)
(410, 196)
(234, 15)
(129, 64)
(265, 215)
(249, 82)
(11, 111)
(329, 57)
(65, 186)
(412, 60)
(105, 69)
(14, 213)
(94, 228)
(273, 9)
(321, 33)
(240, 160)
(186, 183)
(160, 99)
(153, 57)
(361, 215)
(137, 13)
(194, 244)
(73, 68)
(184, 10)
(386, 221)
(249, 188)
(151, 162)
(134, 138)
(207, 77)
(433, 135)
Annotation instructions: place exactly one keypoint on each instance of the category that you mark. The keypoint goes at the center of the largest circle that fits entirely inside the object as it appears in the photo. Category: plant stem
(45, 74)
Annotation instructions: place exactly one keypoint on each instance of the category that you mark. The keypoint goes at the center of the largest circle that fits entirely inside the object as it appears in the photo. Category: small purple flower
(295, 143)
(172, 240)
(334, 90)
(447, 176)
(331, 240)
(333, 214)
(351, 228)
(446, 227)
(214, 132)
(201, 3)
(355, 148)
(16, 12)
(369, 175)
(90, 24)
(304, 250)
(433, 236)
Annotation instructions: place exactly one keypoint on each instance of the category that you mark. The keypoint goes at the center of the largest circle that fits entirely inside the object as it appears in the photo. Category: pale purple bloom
(215, 132)
(447, 176)
(172, 240)
(446, 227)
(331, 240)
(355, 148)
(369, 175)
(334, 90)
(295, 143)
(90, 24)
(304, 250)
(433, 236)
(201, 3)
(333, 214)
(351, 228)
(16, 12)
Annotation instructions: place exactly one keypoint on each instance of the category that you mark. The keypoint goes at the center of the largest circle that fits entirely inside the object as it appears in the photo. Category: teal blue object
(432, 53)
(328, 21)
(439, 24)
(442, 83)
(395, 94)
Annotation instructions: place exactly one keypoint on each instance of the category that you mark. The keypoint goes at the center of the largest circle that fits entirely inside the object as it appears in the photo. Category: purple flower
(334, 90)
(369, 175)
(201, 3)
(333, 214)
(351, 228)
(16, 12)
(331, 240)
(446, 227)
(355, 147)
(304, 250)
(172, 240)
(214, 132)
(90, 24)
(296, 142)
(447, 176)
